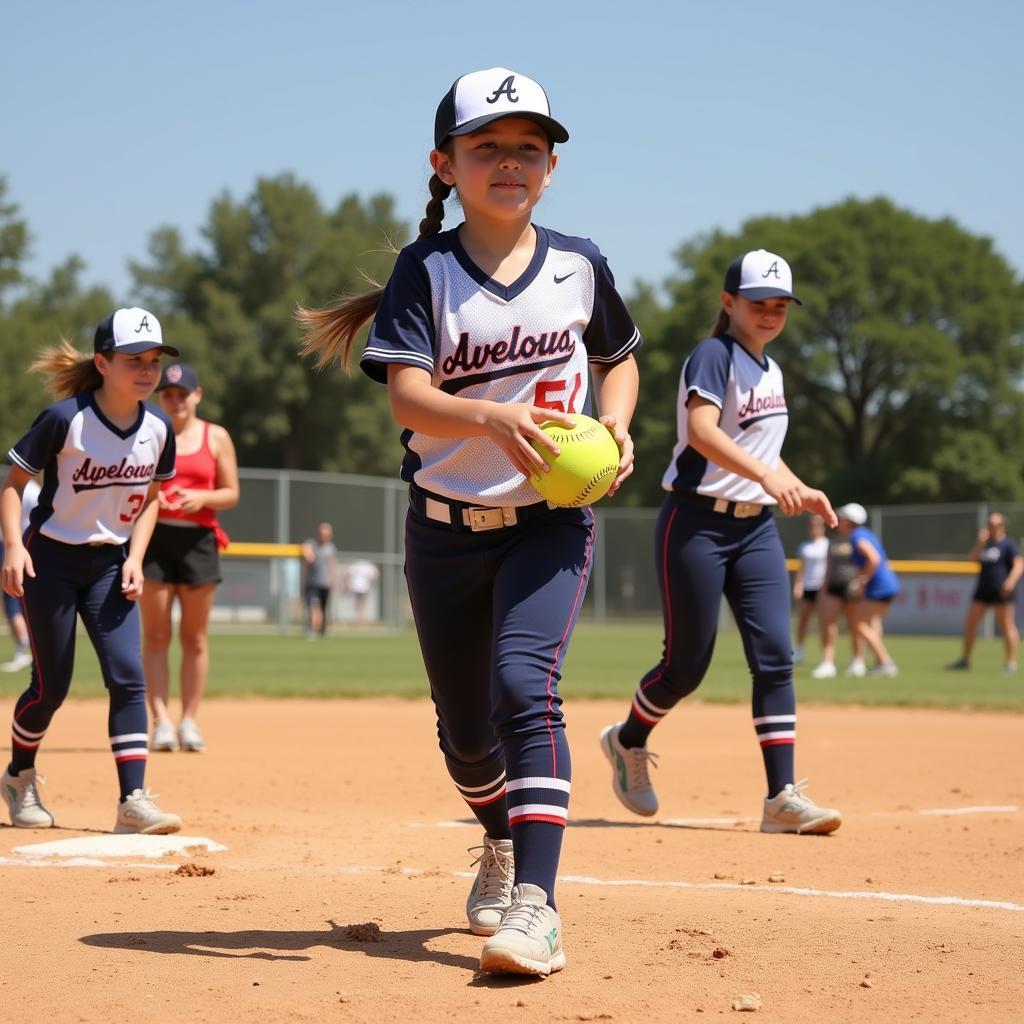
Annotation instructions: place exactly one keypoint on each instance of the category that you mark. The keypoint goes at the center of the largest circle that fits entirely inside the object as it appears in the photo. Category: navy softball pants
(701, 555)
(494, 612)
(73, 580)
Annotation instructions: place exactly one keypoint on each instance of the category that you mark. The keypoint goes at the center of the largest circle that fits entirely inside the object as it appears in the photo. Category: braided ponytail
(439, 192)
(329, 333)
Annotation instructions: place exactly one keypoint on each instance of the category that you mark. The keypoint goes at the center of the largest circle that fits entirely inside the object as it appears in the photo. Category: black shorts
(992, 595)
(847, 591)
(809, 596)
(185, 555)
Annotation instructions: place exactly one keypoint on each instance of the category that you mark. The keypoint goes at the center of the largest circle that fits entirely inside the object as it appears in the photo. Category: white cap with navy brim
(477, 99)
(131, 331)
(759, 275)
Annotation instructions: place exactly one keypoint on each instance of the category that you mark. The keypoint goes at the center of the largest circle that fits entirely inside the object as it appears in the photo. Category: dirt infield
(340, 894)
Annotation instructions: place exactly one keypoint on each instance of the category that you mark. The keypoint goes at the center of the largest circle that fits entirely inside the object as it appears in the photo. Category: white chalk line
(737, 820)
(788, 890)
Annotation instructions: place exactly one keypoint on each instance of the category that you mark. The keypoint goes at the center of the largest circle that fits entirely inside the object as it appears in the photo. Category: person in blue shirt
(876, 583)
(1000, 572)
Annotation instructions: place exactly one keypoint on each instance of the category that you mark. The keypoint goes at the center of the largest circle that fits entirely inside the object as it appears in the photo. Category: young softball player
(183, 558)
(102, 453)
(484, 332)
(716, 534)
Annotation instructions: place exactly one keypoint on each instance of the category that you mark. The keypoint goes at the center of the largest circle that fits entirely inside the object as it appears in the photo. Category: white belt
(739, 509)
(477, 519)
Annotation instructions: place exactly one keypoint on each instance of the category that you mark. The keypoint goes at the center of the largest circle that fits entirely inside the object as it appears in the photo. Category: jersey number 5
(135, 503)
(547, 388)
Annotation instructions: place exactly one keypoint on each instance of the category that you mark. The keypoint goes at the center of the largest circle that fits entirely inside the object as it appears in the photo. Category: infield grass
(604, 661)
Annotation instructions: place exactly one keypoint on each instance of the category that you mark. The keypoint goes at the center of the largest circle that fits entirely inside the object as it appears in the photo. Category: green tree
(230, 308)
(903, 370)
(34, 315)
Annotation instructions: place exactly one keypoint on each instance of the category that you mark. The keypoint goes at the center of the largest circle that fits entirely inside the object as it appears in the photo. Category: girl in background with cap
(876, 585)
(182, 558)
(102, 452)
(716, 534)
(484, 332)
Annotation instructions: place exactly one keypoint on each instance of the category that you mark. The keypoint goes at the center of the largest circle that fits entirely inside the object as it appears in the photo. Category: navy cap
(477, 99)
(178, 375)
(131, 331)
(760, 275)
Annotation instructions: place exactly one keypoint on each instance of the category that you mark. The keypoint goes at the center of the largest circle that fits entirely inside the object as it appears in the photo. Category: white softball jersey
(530, 341)
(752, 401)
(814, 555)
(95, 476)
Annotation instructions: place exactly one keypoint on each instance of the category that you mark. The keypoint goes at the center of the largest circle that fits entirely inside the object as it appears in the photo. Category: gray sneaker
(491, 894)
(791, 811)
(884, 670)
(529, 938)
(139, 814)
(164, 736)
(189, 736)
(21, 794)
(630, 778)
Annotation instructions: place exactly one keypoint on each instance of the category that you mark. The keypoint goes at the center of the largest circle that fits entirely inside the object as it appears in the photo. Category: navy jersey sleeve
(707, 371)
(403, 329)
(44, 440)
(611, 334)
(165, 464)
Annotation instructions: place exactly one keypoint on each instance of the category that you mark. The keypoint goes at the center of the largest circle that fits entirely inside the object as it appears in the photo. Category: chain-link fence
(368, 516)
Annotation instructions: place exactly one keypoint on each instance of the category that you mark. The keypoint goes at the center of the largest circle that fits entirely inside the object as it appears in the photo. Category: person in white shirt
(809, 579)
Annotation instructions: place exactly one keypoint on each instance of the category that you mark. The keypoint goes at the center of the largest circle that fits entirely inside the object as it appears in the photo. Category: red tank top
(197, 471)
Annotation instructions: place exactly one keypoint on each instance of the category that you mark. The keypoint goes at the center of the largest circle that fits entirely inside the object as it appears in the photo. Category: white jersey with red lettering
(530, 341)
(750, 395)
(95, 476)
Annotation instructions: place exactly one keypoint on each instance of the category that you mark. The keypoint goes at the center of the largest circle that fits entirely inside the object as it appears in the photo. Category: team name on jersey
(89, 476)
(758, 404)
(511, 350)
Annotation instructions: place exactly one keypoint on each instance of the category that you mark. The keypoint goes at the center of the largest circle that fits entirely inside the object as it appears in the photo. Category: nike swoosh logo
(559, 280)
(144, 440)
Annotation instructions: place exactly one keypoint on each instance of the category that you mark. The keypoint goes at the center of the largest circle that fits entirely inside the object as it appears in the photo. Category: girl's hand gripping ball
(585, 468)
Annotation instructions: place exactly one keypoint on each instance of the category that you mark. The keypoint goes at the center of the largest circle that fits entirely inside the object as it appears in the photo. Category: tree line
(903, 369)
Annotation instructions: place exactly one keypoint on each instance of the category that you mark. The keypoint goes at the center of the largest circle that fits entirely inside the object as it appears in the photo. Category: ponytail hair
(329, 333)
(68, 372)
(721, 324)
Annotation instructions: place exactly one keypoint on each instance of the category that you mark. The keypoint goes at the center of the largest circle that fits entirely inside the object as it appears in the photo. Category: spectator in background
(1001, 568)
(360, 578)
(810, 576)
(876, 583)
(183, 558)
(321, 560)
(22, 657)
(840, 593)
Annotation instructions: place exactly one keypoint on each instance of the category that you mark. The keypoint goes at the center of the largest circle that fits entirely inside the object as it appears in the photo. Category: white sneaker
(791, 811)
(139, 814)
(164, 736)
(529, 938)
(491, 894)
(798, 655)
(189, 736)
(21, 794)
(1010, 668)
(19, 660)
(856, 668)
(630, 778)
(826, 670)
(884, 670)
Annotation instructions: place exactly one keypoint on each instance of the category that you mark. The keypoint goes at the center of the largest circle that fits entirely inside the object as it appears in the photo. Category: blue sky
(685, 115)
